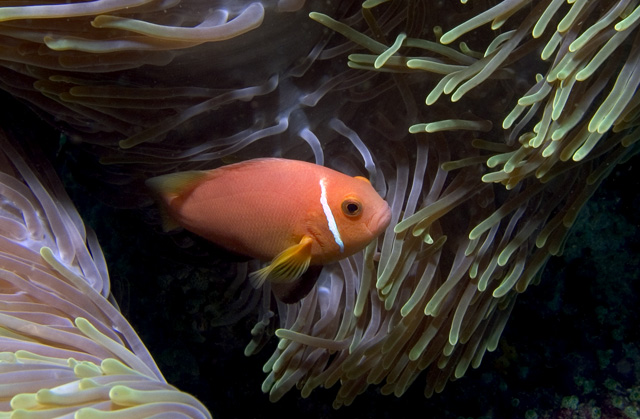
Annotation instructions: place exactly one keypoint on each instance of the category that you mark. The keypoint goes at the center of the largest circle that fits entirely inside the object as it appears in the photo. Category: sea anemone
(66, 349)
(485, 151)
(126, 73)
(440, 291)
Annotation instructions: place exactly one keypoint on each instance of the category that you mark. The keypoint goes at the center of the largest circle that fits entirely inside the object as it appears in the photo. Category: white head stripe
(329, 215)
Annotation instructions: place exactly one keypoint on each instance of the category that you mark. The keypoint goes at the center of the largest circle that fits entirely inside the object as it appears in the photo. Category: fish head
(360, 213)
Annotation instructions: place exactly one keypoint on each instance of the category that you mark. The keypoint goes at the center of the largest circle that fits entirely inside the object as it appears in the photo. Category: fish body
(290, 212)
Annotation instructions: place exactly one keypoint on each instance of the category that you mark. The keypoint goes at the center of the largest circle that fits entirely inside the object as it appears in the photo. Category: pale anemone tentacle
(213, 28)
(66, 349)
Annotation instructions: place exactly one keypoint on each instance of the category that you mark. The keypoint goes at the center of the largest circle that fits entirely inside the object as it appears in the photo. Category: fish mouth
(380, 221)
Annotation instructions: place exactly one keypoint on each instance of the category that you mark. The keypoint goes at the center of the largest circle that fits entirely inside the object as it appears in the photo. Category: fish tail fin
(287, 266)
(174, 184)
(168, 223)
(165, 188)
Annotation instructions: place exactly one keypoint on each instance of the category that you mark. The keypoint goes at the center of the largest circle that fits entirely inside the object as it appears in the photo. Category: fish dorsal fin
(362, 178)
(287, 266)
(174, 184)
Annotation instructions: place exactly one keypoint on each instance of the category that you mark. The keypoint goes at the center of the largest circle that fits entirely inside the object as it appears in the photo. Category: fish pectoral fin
(287, 266)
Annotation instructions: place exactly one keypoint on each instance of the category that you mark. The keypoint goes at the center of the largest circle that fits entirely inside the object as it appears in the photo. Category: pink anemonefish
(292, 213)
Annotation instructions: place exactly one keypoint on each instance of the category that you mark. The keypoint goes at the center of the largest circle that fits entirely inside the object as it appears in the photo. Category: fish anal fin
(287, 266)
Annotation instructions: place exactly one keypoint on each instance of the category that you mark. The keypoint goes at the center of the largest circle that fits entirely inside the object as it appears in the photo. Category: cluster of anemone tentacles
(65, 348)
(485, 150)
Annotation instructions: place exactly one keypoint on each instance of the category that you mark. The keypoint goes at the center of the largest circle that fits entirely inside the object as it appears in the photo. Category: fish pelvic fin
(287, 266)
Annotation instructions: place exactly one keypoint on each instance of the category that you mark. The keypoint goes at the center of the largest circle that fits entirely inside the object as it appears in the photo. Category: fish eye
(351, 207)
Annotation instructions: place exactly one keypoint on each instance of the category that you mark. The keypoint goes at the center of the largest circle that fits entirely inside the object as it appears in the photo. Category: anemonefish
(292, 213)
